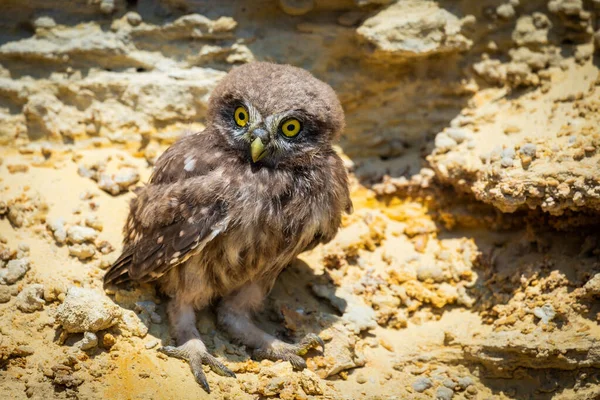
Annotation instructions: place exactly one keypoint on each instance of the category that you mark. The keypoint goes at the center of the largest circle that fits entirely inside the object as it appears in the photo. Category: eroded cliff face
(470, 269)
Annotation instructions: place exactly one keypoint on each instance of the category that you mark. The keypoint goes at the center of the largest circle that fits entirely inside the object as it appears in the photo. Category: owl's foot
(278, 350)
(195, 353)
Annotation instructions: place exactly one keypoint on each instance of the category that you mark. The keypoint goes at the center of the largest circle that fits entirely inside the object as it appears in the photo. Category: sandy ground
(422, 294)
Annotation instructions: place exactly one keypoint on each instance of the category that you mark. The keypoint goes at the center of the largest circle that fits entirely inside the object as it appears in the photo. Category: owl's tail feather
(119, 272)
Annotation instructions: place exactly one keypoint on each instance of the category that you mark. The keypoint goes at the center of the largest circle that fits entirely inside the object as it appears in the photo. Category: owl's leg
(235, 315)
(182, 319)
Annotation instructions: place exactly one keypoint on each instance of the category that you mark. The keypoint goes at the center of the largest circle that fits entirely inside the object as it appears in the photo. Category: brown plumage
(227, 209)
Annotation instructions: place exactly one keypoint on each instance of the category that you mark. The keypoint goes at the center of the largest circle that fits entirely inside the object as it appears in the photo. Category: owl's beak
(257, 150)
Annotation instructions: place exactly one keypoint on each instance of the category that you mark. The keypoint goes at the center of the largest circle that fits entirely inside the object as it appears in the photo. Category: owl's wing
(172, 218)
(166, 226)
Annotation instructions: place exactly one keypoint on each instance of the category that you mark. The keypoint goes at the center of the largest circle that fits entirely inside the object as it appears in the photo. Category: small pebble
(108, 341)
(30, 299)
(443, 142)
(422, 384)
(360, 378)
(528, 149)
(133, 18)
(449, 383)
(82, 251)
(15, 270)
(459, 134)
(80, 234)
(545, 313)
(5, 295)
(89, 341)
(507, 162)
(443, 393)
(465, 381)
(505, 11)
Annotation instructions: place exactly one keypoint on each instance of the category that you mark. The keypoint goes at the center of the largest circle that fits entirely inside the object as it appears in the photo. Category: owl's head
(275, 115)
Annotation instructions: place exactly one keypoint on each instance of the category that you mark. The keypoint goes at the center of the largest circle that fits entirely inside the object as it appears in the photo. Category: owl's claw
(197, 358)
(310, 341)
(290, 352)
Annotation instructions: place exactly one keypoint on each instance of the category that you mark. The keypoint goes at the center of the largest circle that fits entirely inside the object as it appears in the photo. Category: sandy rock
(545, 313)
(133, 18)
(94, 222)
(54, 289)
(532, 29)
(422, 384)
(536, 350)
(77, 43)
(26, 210)
(108, 340)
(493, 71)
(592, 287)
(356, 314)
(114, 183)
(80, 234)
(443, 142)
(15, 270)
(444, 393)
(5, 294)
(48, 117)
(82, 251)
(310, 383)
(280, 380)
(89, 341)
(126, 177)
(132, 324)
(340, 352)
(44, 22)
(430, 272)
(413, 29)
(465, 381)
(191, 26)
(57, 226)
(65, 377)
(85, 310)
(520, 171)
(505, 11)
(528, 149)
(30, 299)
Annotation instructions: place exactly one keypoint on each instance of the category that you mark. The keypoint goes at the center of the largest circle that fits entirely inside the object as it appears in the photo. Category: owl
(227, 209)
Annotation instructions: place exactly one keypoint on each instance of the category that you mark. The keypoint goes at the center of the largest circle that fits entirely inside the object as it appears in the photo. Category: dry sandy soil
(469, 269)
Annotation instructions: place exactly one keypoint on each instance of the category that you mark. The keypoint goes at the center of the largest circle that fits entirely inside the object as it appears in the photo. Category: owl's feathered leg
(235, 315)
(190, 347)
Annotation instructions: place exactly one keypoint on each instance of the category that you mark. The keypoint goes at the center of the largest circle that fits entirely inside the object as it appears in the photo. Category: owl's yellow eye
(241, 116)
(291, 127)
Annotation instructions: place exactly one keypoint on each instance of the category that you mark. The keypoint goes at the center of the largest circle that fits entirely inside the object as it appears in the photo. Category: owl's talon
(173, 351)
(200, 377)
(196, 358)
(290, 352)
(217, 366)
(310, 341)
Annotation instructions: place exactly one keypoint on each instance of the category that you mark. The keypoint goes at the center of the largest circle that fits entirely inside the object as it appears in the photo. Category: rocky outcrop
(410, 29)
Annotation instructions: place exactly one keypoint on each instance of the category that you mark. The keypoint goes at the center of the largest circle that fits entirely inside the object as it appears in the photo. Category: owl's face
(275, 115)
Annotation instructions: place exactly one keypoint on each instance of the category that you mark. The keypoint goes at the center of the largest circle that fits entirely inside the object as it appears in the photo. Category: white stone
(85, 310)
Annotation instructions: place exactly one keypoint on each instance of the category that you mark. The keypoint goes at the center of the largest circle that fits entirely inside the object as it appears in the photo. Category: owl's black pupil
(242, 116)
(290, 127)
